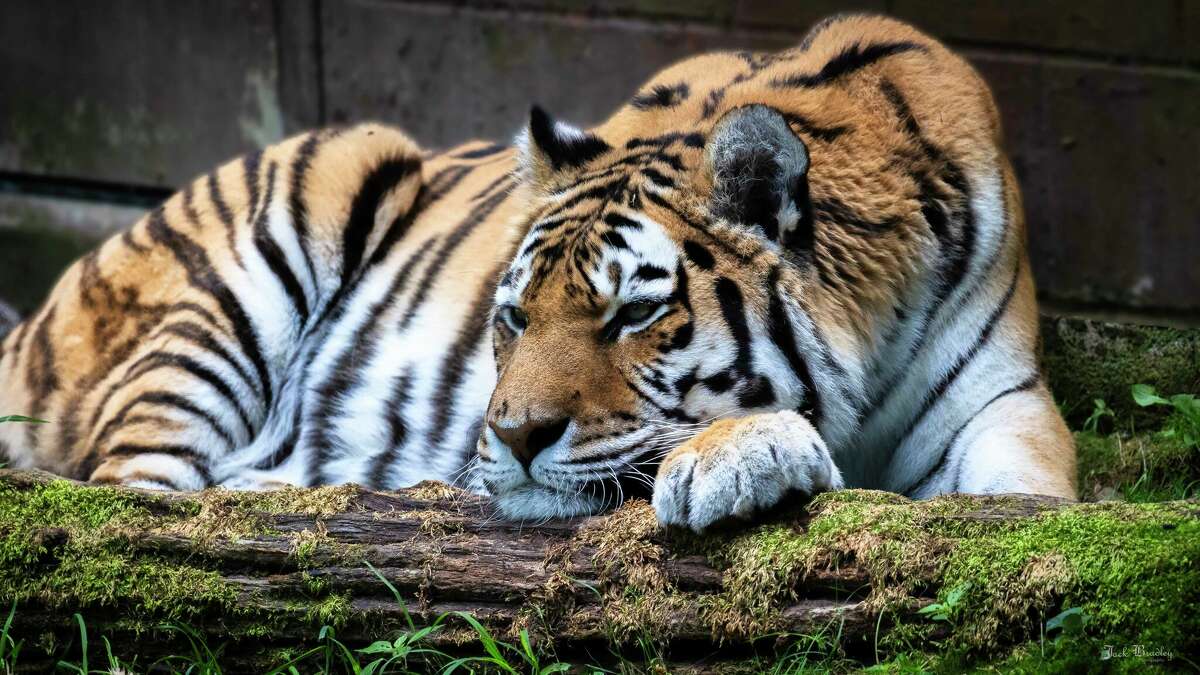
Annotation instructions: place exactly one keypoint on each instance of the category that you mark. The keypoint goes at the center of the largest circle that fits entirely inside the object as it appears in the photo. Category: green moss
(884, 533)
(62, 545)
(333, 610)
(67, 545)
(1134, 568)
(314, 585)
(1086, 360)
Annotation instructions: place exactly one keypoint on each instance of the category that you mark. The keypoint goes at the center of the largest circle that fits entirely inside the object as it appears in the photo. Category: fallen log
(262, 572)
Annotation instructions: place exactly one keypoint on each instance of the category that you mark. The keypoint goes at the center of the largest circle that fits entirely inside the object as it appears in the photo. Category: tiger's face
(633, 312)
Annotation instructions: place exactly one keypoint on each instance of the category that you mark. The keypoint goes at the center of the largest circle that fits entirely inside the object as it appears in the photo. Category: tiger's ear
(759, 173)
(547, 146)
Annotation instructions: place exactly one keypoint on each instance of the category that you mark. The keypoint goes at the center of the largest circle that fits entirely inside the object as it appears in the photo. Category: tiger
(765, 276)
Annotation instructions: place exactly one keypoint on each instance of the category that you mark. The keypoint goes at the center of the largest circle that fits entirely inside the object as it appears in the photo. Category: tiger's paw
(737, 467)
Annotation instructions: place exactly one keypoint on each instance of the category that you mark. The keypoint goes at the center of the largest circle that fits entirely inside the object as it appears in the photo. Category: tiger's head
(641, 304)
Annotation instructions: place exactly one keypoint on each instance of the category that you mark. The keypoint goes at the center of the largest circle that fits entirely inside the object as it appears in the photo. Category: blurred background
(105, 107)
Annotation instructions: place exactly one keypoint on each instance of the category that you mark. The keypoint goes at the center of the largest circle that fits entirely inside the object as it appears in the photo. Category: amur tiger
(765, 274)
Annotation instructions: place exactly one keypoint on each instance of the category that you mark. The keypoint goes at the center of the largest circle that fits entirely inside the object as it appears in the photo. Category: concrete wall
(112, 103)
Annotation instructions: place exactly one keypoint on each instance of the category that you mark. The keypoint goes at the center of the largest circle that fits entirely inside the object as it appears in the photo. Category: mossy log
(262, 572)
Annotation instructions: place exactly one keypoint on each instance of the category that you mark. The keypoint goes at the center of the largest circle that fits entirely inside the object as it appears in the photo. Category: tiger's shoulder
(836, 72)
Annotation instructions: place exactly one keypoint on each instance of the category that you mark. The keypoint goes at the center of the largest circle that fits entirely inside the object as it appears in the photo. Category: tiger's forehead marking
(592, 237)
(618, 255)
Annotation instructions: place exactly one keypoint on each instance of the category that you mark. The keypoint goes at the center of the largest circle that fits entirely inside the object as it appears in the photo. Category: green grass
(1118, 460)
(21, 418)
(409, 652)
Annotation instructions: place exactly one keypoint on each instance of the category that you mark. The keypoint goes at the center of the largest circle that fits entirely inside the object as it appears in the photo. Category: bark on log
(262, 571)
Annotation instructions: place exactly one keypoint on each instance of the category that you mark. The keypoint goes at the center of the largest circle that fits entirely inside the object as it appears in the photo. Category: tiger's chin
(537, 502)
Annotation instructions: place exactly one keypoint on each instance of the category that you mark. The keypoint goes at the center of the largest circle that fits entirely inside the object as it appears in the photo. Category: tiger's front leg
(740, 466)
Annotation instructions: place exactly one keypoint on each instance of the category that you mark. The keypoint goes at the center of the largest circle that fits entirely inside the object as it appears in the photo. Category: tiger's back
(330, 320)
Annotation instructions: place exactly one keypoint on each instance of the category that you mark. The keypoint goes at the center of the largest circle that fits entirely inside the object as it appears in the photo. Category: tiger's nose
(525, 441)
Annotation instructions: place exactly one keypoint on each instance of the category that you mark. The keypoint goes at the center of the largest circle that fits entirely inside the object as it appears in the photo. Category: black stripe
(344, 376)
(128, 240)
(687, 491)
(850, 60)
(691, 140)
(670, 412)
(270, 251)
(1025, 385)
(810, 128)
(197, 334)
(219, 204)
(394, 409)
(661, 96)
(189, 206)
(454, 366)
(550, 224)
(616, 220)
(181, 452)
(784, 337)
(297, 205)
(202, 275)
(41, 378)
(602, 191)
(381, 181)
(187, 364)
(442, 182)
(836, 212)
(504, 181)
(160, 398)
(729, 297)
(698, 255)
(964, 360)
(459, 234)
(224, 214)
(467, 451)
(713, 100)
(286, 447)
(395, 232)
(614, 239)
(480, 153)
(658, 178)
(649, 272)
(250, 166)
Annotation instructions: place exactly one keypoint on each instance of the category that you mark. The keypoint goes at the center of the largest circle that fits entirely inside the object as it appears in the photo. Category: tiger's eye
(638, 311)
(515, 317)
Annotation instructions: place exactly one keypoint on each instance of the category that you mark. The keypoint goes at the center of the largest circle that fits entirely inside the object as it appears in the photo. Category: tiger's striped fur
(766, 273)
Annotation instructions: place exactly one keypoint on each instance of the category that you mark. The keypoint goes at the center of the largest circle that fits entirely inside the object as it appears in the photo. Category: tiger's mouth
(538, 501)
